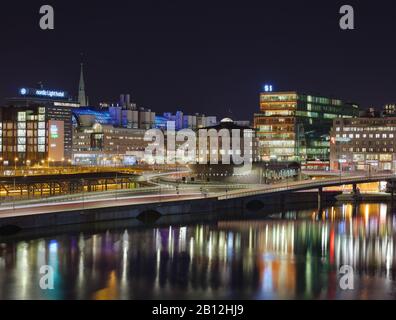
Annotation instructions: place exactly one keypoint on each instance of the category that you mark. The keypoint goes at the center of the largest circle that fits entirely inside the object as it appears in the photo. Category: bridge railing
(304, 185)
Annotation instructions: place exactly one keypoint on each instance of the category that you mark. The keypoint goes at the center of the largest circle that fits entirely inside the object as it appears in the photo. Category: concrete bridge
(319, 185)
(171, 203)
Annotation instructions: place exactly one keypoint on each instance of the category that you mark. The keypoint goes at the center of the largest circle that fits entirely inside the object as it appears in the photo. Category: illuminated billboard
(56, 141)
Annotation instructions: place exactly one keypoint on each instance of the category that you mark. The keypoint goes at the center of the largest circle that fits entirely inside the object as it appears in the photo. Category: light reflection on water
(245, 259)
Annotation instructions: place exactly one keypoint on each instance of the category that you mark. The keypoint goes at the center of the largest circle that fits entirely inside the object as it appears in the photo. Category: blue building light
(161, 122)
(51, 94)
(101, 116)
(43, 93)
(268, 88)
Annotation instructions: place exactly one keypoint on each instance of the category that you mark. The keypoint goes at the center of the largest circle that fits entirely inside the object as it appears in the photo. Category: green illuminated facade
(296, 127)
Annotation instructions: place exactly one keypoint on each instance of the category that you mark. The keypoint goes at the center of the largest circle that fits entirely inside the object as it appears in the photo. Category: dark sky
(202, 56)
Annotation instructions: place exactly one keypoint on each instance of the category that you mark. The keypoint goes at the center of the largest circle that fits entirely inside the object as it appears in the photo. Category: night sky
(201, 56)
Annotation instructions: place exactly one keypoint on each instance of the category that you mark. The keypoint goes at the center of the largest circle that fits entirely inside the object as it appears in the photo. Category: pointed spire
(82, 98)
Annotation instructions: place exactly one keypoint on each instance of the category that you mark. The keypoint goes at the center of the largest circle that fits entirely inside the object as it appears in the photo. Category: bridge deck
(304, 186)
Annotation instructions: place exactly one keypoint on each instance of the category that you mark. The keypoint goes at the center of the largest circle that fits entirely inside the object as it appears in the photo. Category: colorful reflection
(297, 257)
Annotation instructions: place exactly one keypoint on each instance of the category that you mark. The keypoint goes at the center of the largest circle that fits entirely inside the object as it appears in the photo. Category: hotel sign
(43, 93)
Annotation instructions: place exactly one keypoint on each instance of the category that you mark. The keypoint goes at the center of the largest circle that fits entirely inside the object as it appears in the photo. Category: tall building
(293, 126)
(82, 97)
(363, 144)
(36, 126)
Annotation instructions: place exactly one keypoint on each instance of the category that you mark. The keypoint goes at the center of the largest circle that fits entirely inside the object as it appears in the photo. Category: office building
(36, 127)
(293, 126)
(363, 144)
(106, 145)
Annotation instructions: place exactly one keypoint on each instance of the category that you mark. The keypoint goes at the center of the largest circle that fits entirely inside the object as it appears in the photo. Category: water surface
(294, 255)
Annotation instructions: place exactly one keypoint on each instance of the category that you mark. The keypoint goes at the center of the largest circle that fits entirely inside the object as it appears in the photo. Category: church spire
(82, 98)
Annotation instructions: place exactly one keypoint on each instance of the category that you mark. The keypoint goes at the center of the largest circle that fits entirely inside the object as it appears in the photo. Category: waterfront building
(367, 144)
(293, 126)
(36, 127)
(258, 172)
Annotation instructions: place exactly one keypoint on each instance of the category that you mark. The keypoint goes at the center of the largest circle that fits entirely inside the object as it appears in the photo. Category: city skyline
(184, 150)
(219, 60)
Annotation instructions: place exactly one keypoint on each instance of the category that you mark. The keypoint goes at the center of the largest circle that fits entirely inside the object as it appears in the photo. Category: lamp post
(266, 172)
(116, 181)
(28, 162)
(15, 164)
(287, 176)
(13, 198)
(340, 163)
(369, 170)
(83, 193)
(2, 167)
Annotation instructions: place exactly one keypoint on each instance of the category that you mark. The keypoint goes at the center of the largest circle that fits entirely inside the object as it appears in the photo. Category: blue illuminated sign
(51, 94)
(42, 93)
(268, 88)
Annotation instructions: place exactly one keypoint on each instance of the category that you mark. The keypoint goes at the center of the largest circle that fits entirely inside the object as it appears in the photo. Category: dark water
(296, 255)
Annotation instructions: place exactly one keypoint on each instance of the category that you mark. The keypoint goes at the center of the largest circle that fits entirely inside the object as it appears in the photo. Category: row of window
(391, 150)
(364, 136)
(361, 129)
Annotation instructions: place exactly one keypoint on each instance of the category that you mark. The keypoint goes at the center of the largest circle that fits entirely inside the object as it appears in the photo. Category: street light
(341, 161)
(15, 164)
(116, 180)
(2, 162)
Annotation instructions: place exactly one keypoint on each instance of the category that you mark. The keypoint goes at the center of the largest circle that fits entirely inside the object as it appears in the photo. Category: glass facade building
(364, 144)
(26, 123)
(292, 126)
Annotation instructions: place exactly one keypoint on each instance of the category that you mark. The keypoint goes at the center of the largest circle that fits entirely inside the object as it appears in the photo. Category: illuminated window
(22, 116)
